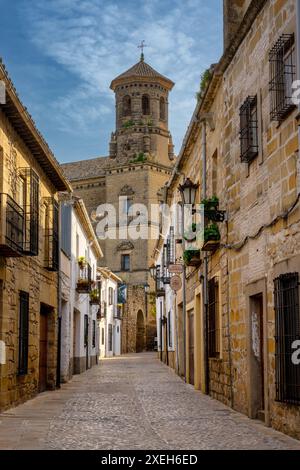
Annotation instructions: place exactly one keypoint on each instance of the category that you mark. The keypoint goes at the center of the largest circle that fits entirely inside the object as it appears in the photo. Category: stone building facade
(240, 325)
(140, 161)
(30, 179)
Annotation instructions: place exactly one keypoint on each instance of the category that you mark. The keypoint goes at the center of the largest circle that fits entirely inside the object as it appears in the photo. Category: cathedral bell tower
(142, 131)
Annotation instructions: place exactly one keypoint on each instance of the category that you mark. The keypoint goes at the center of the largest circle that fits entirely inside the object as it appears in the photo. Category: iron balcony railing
(102, 311)
(11, 227)
(84, 281)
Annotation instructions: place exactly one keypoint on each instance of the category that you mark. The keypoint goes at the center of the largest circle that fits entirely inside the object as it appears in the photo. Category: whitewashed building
(79, 292)
(110, 314)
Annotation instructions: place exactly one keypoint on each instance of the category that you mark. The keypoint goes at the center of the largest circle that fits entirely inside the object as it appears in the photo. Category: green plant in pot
(211, 203)
(211, 232)
(190, 255)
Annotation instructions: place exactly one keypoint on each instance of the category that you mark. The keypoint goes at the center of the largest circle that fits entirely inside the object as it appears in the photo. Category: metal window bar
(287, 330)
(84, 282)
(23, 332)
(14, 224)
(171, 247)
(94, 334)
(51, 235)
(165, 272)
(86, 330)
(213, 319)
(110, 337)
(159, 280)
(282, 74)
(249, 129)
(31, 216)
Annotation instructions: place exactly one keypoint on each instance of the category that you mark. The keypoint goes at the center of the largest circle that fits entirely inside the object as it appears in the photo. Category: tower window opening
(162, 109)
(145, 104)
(126, 106)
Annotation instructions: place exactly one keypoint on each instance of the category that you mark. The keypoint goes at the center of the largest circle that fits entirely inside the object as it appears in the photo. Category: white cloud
(97, 40)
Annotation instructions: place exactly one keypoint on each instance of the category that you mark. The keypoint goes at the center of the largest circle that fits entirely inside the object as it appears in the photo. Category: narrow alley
(132, 402)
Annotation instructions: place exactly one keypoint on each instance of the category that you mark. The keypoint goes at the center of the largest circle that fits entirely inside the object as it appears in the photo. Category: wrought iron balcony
(11, 227)
(102, 311)
(117, 313)
(84, 281)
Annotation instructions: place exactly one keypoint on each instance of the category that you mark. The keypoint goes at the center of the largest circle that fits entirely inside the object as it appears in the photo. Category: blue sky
(63, 54)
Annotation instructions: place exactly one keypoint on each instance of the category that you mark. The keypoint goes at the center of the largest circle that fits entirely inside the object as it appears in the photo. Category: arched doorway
(140, 332)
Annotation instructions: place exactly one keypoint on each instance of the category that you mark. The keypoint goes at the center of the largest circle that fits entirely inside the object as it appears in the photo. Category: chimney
(233, 14)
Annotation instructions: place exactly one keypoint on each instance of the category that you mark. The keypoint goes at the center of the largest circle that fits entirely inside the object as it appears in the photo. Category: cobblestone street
(132, 402)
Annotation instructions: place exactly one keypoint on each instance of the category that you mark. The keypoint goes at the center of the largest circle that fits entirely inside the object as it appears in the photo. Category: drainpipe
(298, 52)
(183, 293)
(58, 365)
(205, 273)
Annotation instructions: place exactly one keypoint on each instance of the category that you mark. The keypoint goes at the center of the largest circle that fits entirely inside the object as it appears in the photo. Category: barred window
(29, 195)
(94, 334)
(282, 74)
(171, 247)
(109, 337)
(23, 332)
(249, 129)
(110, 296)
(86, 330)
(213, 319)
(102, 336)
(51, 251)
(287, 331)
(170, 330)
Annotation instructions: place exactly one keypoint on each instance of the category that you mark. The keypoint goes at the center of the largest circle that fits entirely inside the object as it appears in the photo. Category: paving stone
(132, 402)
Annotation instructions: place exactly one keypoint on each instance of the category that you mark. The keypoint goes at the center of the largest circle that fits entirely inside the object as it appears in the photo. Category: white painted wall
(110, 321)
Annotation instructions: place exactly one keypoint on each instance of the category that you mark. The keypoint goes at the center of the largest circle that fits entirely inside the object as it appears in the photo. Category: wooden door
(43, 351)
(191, 347)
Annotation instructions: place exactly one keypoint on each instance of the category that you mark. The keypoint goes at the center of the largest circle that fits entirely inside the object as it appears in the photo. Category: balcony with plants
(84, 280)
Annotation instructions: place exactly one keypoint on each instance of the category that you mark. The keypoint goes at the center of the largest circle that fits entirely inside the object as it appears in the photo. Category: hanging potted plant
(211, 237)
(191, 257)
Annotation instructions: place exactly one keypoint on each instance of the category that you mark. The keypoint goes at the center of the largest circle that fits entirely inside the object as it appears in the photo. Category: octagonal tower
(142, 132)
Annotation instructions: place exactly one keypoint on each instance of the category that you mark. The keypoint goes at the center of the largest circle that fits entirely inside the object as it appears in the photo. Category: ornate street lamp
(188, 191)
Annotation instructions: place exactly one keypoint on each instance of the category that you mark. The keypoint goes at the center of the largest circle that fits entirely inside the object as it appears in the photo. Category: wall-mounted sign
(175, 283)
(175, 268)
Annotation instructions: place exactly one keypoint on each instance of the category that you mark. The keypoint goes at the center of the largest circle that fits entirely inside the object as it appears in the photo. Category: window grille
(23, 332)
(86, 331)
(171, 247)
(282, 74)
(14, 224)
(159, 279)
(170, 330)
(249, 129)
(31, 212)
(213, 319)
(52, 235)
(109, 337)
(94, 334)
(287, 330)
(165, 272)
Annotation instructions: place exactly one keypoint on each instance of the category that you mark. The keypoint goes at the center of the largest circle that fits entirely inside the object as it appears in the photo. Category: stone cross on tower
(142, 46)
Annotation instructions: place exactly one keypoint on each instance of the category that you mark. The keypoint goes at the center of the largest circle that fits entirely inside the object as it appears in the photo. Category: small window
(162, 109)
(102, 336)
(30, 201)
(287, 332)
(170, 330)
(109, 337)
(23, 332)
(94, 334)
(86, 331)
(126, 106)
(213, 319)
(110, 296)
(125, 263)
(282, 74)
(145, 104)
(249, 129)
